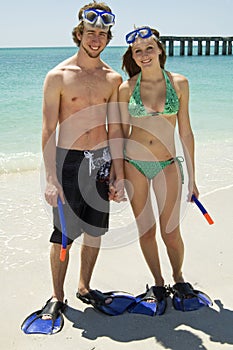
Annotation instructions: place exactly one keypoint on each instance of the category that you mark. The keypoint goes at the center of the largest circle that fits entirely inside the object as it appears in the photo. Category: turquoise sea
(211, 104)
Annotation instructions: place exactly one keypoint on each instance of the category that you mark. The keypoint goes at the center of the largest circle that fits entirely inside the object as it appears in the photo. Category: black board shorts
(84, 176)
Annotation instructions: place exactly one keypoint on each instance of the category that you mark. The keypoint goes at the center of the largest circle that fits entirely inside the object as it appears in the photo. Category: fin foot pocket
(120, 301)
(35, 324)
(185, 298)
(152, 303)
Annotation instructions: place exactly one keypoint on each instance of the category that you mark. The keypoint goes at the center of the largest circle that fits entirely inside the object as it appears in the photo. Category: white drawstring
(97, 162)
(89, 156)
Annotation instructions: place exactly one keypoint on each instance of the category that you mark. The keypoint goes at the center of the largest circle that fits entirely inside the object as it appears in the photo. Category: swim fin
(121, 301)
(34, 324)
(185, 298)
(152, 302)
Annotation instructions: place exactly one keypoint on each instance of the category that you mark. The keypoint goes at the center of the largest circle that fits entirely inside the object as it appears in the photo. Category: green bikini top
(137, 109)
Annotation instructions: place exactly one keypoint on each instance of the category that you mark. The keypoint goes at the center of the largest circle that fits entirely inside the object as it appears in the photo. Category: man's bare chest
(90, 91)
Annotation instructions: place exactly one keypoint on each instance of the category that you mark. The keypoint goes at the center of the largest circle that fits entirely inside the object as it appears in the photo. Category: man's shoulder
(113, 74)
(60, 69)
(64, 65)
(54, 77)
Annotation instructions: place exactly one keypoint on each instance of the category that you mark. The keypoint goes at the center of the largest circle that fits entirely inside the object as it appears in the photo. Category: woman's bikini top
(137, 109)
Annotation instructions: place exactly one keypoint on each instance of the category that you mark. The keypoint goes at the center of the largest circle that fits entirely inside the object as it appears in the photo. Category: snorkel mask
(143, 32)
(98, 18)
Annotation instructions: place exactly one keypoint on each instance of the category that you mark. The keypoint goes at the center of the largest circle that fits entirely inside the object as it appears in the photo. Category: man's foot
(94, 297)
(52, 308)
(53, 300)
(111, 303)
(48, 320)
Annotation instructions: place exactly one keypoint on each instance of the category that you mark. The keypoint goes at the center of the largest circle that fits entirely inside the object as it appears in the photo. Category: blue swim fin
(185, 298)
(152, 302)
(34, 324)
(121, 301)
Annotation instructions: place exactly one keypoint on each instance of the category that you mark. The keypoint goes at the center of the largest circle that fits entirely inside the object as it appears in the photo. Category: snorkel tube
(63, 228)
(202, 209)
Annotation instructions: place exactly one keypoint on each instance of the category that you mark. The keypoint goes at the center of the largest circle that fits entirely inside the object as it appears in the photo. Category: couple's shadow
(167, 329)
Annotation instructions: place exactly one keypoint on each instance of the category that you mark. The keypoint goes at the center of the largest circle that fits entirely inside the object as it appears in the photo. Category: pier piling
(226, 44)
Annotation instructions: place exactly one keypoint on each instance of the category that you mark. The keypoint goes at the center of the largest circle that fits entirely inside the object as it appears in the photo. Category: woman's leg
(167, 187)
(138, 189)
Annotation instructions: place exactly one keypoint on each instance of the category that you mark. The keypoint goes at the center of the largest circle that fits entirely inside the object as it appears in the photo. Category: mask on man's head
(98, 18)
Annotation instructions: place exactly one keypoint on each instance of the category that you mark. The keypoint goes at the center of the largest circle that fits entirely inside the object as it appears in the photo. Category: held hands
(117, 191)
(54, 189)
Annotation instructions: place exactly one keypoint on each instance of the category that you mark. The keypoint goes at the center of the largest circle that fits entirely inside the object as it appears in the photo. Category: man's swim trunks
(84, 176)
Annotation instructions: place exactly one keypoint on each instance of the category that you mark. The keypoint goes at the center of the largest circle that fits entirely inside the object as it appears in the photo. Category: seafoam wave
(19, 162)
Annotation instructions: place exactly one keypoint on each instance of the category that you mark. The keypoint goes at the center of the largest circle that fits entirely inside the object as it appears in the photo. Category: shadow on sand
(167, 329)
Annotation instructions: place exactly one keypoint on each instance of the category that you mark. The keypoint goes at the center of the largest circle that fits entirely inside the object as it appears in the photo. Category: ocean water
(211, 103)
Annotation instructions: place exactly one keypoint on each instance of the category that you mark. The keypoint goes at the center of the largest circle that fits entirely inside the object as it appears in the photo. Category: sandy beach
(26, 284)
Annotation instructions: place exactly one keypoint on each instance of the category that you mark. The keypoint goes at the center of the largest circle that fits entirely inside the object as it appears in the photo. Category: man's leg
(58, 269)
(89, 253)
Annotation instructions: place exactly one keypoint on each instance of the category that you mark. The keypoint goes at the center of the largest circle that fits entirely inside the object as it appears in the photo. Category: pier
(186, 45)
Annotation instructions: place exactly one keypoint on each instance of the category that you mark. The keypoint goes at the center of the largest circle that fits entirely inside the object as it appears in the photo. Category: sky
(46, 23)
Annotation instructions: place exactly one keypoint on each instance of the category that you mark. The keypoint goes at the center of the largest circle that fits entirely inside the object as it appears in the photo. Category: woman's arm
(186, 133)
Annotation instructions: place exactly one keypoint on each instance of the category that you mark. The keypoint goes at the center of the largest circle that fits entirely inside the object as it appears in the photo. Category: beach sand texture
(26, 284)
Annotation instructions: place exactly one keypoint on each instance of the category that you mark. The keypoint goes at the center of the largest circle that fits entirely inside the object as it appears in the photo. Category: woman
(152, 102)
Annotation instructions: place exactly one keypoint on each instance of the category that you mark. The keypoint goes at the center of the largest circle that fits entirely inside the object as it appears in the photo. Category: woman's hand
(192, 190)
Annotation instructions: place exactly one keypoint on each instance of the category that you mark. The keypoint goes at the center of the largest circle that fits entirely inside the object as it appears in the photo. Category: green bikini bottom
(151, 169)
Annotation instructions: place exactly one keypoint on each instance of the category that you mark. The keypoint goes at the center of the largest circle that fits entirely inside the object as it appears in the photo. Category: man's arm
(51, 104)
(123, 105)
(116, 143)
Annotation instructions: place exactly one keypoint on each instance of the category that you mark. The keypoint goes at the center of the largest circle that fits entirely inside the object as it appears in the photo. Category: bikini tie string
(180, 160)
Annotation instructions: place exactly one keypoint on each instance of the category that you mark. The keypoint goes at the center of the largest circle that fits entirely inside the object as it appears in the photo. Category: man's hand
(52, 191)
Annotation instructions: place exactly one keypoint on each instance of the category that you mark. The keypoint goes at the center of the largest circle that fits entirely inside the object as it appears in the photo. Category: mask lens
(90, 15)
(107, 18)
(130, 38)
(145, 32)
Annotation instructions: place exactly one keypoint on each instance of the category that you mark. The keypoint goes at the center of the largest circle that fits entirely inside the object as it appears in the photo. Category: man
(78, 95)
